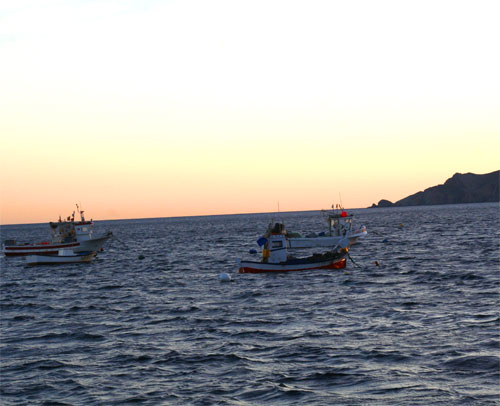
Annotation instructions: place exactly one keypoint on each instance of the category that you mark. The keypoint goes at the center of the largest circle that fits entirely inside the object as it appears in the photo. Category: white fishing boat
(63, 256)
(68, 234)
(275, 256)
(340, 227)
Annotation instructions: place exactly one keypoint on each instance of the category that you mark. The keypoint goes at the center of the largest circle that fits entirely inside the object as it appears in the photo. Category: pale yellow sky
(170, 108)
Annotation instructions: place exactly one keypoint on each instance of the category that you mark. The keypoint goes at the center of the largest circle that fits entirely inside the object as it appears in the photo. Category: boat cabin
(71, 230)
(275, 248)
(340, 224)
(84, 230)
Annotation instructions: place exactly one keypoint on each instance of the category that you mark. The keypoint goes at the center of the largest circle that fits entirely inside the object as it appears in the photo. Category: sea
(412, 320)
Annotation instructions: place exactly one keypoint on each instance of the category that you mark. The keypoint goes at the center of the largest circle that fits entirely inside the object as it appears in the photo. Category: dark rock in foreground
(461, 188)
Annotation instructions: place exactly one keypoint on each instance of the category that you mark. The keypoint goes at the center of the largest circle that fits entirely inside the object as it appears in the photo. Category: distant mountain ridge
(460, 188)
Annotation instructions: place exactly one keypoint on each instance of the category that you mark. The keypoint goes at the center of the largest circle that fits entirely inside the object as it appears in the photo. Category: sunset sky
(175, 108)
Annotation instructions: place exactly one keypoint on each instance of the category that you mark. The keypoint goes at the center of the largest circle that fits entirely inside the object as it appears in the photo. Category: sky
(137, 109)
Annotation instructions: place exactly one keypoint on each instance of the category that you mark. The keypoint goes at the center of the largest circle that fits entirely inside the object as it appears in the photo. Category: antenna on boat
(341, 205)
(80, 212)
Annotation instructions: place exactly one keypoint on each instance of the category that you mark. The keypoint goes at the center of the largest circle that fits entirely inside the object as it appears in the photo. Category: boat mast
(80, 212)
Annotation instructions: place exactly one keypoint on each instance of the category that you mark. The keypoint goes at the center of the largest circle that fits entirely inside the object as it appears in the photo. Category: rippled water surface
(421, 328)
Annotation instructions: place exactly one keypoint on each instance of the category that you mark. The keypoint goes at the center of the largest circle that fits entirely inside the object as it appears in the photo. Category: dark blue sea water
(420, 329)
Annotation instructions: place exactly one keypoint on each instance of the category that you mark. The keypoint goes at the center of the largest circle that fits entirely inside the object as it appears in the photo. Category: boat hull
(94, 244)
(60, 259)
(37, 249)
(325, 242)
(262, 267)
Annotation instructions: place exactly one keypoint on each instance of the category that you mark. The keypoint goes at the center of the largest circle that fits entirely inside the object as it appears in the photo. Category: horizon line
(194, 215)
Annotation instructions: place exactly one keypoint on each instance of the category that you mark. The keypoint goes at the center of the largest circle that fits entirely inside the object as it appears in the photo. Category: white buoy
(225, 277)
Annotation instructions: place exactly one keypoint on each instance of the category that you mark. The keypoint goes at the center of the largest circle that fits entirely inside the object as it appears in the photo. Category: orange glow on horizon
(220, 108)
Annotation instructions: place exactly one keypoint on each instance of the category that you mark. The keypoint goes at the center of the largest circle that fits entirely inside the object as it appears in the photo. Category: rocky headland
(460, 188)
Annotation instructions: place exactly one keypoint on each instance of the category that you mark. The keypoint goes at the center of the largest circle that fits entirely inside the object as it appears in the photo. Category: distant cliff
(461, 188)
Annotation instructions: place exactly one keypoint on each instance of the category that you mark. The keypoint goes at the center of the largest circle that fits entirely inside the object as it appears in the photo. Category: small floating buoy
(401, 225)
(141, 257)
(225, 277)
(385, 240)
(376, 263)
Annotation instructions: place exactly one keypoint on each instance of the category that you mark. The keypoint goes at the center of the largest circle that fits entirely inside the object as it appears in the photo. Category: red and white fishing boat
(68, 234)
(340, 227)
(275, 256)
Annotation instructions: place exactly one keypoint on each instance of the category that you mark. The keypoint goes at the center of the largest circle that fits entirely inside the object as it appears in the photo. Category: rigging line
(353, 261)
